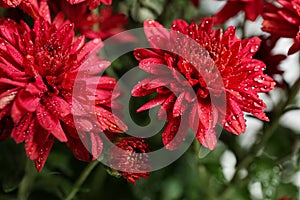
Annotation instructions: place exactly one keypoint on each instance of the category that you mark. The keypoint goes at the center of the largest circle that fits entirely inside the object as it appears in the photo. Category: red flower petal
(58, 106)
(43, 152)
(179, 106)
(17, 112)
(50, 122)
(75, 1)
(30, 141)
(20, 131)
(78, 149)
(158, 100)
(180, 25)
(154, 66)
(7, 97)
(174, 133)
(141, 54)
(156, 34)
(229, 10)
(96, 145)
(207, 137)
(30, 7)
(27, 101)
(109, 122)
(148, 85)
(235, 122)
(38, 144)
(44, 11)
(10, 3)
(167, 108)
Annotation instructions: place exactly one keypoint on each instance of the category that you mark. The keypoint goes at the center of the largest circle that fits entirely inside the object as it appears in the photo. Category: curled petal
(7, 97)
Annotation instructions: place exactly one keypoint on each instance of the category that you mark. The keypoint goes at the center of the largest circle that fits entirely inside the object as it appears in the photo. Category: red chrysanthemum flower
(272, 61)
(128, 155)
(38, 69)
(252, 9)
(102, 25)
(242, 76)
(28, 6)
(92, 3)
(283, 21)
(107, 24)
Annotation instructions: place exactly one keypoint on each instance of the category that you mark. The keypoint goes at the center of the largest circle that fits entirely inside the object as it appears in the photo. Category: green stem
(203, 173)
(27, 181)
(84, 175)
(268, 132)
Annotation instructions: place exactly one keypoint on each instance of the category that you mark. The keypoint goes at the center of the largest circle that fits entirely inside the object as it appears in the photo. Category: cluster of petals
(272, 60)
(282, 19)
(130, 155)
(242, 77)
(251, 8)
(38, 69)
(31, 7)
(102, 25)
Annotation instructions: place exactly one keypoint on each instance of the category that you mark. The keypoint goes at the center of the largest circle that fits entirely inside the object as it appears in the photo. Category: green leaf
(268, 173)
(287, 190)
(142, 10)
(12, 164)
(280, 144)
(172, 188)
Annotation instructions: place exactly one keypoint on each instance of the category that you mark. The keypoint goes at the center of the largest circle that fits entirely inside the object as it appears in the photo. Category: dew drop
(174, 128)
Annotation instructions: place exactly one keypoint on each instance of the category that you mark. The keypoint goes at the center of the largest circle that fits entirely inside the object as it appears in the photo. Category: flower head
(252, 9)
(108, 24)
(242, 78)
(283, 21)
(128, 154)
(102, 25)
(272, 61)
(38, 68)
